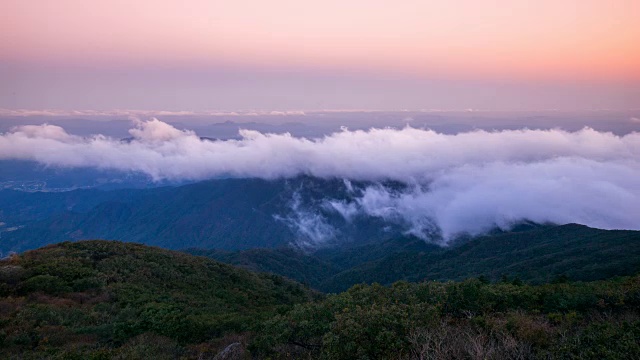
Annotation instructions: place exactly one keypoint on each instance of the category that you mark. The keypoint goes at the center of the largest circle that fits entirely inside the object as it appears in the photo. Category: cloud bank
(463, 183)
(130, 112)
(475, 199)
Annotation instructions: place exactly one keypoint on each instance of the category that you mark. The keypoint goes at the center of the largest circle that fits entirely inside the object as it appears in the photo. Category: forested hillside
(226, 214)
(171, 217)
(462, 320)
(107, 298)
(104, 300)
(537, 255)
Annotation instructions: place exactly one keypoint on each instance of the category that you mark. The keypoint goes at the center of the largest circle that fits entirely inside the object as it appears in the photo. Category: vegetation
(538, 254)
(142, 215)
(288, 262)
(228, 214)
(462, 320)
(103, 300)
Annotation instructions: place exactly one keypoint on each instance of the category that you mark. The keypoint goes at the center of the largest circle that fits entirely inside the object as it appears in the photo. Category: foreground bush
(463, 320)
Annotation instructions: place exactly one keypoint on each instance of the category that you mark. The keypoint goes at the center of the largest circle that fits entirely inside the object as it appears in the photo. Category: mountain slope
(317, 267)
(110, 292)
(204, 214)
(537, 254)
(223, 214)
(288, 262)
(114, 300)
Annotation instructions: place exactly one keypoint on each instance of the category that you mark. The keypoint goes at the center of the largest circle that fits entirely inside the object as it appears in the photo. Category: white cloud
(287, 113)
(143, 113)
(474, 199)
(310, 227)
(156, 130)
(458, 183)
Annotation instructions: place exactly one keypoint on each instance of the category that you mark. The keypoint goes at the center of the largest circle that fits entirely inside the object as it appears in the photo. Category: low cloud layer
(474, 199)
(469, 182)
(109, 113)
(309, 224)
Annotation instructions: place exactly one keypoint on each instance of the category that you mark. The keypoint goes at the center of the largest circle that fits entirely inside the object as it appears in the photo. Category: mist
(474, 199)
(468, 182)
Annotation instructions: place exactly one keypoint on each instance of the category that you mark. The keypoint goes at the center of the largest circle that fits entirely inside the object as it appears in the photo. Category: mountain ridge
(538, 255)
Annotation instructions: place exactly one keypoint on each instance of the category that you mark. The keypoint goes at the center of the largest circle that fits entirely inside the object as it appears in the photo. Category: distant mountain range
(287, 221)
(284, 227)
(31, 176)
(222, 214)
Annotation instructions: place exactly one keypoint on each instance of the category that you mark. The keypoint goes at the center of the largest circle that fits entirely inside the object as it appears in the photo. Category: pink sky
(576, 42)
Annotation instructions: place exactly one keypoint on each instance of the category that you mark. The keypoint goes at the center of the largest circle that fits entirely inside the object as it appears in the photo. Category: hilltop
(78, 297)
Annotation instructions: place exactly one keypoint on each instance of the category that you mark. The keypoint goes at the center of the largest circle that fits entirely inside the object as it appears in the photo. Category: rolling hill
(114, 300)
(73, 297)
(538, 255)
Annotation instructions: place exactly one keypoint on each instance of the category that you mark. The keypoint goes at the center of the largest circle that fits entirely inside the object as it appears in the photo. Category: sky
(357, 54)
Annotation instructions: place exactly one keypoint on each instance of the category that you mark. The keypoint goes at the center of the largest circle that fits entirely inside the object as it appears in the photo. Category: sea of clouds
(463, 183)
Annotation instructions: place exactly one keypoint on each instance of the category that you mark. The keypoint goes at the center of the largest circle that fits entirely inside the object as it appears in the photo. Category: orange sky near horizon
(588, 40)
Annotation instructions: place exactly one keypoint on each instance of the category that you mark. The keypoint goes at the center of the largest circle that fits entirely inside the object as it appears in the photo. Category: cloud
(156, 130)
(46, 131)
(143, 113)
(286, 113)
(348, 210)
(466, 182)
(311, 227)
(475, 199)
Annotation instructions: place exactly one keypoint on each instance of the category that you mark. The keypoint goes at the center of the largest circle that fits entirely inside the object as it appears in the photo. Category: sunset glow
(589, 41)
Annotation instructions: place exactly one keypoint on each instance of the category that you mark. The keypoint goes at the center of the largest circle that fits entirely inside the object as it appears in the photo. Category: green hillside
(288, 262)
(98, 296)
(573, 252)
(230, 214)
(462, 320)
(536, 255)
(170, 217)
(114, 300)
